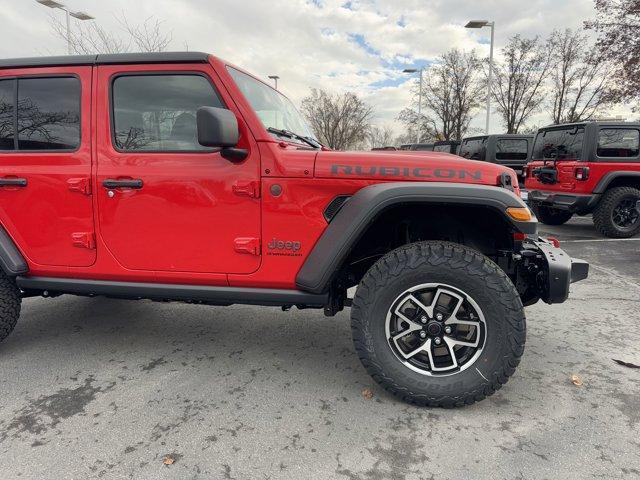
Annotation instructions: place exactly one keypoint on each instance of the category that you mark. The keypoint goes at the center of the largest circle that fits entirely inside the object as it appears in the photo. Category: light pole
(414, 70)
(78, 15)
(480, 24)
(275, 79)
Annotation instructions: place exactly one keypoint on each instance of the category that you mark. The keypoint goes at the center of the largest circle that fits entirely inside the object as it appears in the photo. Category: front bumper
(549, 271)
(572, 202)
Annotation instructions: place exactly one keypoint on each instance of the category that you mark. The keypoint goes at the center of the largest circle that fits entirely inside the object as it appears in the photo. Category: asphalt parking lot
(100, 388)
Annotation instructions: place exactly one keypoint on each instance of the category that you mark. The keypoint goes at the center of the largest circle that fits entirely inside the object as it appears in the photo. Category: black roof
(620, 123)
(106, 59)
(502, 135)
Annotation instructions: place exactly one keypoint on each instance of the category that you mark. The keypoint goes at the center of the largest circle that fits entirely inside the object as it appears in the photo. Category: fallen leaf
(576, 380)
(168, 460)
(626, 364)
(367, 393)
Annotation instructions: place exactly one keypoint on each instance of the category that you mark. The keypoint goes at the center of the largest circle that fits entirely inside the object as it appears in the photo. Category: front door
(165, 203)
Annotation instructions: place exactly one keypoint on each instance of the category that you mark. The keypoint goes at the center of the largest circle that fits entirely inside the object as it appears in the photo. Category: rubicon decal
(287, 248)
(415, 172)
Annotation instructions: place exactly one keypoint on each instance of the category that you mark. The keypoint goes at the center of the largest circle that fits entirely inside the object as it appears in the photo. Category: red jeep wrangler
(587, 168)
(179, 177)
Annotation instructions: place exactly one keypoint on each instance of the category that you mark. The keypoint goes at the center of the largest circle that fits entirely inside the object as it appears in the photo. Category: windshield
(274, 109)
(559, 143)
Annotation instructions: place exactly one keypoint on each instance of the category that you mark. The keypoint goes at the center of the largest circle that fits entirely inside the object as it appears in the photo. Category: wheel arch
(369, 219)
(618, 179)
(11, 260)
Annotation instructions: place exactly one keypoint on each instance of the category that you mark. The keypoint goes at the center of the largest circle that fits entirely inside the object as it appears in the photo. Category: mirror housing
(217, 127)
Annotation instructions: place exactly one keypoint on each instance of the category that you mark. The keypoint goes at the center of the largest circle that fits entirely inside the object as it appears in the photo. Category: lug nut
(439, 317)
(447, 330)
(423, 334)
(423, 319)
(438, 341)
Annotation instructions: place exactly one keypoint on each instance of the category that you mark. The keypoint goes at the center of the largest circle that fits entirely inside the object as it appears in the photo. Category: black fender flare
(352, 220)
(11, 260)
(606, 180)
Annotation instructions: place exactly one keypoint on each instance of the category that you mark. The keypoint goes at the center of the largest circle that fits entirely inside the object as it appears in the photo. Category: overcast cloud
(333, 44)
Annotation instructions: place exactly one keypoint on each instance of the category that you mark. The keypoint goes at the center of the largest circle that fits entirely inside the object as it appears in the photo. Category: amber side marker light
(522, 214)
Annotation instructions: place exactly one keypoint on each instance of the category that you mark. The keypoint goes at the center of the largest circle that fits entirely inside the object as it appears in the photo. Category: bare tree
(618, 26)
(380, 136)
(453, 91)
(416, 124)
(341, 121)
(90, 38)
(519, 81)
(581, 78)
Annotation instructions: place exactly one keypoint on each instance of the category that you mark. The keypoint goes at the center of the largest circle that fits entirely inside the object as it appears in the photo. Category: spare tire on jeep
(438, 324)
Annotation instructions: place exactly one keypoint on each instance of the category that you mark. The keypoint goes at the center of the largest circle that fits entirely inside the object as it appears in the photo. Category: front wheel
(10, 301)
(438, 324)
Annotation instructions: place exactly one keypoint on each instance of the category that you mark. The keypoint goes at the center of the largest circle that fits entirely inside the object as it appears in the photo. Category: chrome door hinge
(248, 189)
(84, 240)
(80, 185)
(248, 245)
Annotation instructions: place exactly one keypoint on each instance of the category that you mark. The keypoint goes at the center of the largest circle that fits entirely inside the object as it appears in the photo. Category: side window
(158, 112)
(512, 149)
(7, 118)
(618, 142)
(473, 149)
(48, 113)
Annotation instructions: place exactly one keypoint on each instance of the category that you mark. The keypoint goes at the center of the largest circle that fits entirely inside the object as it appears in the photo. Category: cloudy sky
(359, 45)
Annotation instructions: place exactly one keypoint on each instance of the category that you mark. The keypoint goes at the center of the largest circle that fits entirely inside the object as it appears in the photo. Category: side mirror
(217, 127)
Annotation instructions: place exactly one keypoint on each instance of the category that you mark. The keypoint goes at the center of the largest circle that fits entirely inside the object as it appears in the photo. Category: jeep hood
(408, 166)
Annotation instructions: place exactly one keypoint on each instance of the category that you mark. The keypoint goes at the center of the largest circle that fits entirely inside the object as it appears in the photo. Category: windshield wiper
(290, 134)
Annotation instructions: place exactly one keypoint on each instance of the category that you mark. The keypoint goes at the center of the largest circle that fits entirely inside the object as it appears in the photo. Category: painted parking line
(602, 240)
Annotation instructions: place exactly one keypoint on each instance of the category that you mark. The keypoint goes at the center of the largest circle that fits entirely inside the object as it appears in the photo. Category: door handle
(124, 183)
(13, 182)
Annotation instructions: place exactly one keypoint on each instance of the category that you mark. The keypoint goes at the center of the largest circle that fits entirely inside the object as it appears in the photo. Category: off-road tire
(470, 272)
(603, 213)
(10, 300)
(552, 216)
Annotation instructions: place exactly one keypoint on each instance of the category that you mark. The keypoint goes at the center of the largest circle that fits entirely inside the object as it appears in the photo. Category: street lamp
(78, 15)
(480, 24)
(414, 70)
(275, 78)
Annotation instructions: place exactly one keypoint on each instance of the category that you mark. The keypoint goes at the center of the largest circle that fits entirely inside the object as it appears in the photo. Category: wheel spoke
(466, 343)
(457, 321)
(426, 347)
(426, 309)
(413, 325)
(452, 355)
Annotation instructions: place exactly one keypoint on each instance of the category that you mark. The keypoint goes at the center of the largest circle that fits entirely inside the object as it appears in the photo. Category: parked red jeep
(587, 168)
(178, 176)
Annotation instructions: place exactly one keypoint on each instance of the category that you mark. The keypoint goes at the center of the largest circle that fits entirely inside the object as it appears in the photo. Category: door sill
(53, 286)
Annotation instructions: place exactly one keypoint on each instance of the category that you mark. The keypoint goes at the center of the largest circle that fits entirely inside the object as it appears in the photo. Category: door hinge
(247, 189)
(84, 240)
(81, 185)
(248, 245)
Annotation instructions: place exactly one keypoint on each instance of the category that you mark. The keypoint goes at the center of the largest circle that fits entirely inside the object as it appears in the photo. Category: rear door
(186, 208)
(45, 164)
(560, 148)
